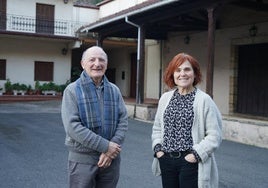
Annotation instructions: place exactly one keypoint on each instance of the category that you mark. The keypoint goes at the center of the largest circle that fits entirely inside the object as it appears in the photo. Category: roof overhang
(160, 17)
(139, 9)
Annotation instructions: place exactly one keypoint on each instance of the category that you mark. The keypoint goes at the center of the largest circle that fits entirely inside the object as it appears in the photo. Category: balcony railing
(29, 24)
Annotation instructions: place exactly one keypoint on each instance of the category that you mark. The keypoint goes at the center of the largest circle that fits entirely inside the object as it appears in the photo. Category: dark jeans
(178, 173)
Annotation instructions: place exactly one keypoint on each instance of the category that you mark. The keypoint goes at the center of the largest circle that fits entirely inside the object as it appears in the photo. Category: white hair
(93, 48)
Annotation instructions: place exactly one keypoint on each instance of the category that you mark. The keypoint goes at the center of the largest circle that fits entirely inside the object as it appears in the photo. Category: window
(2, 69)
(45, 18)
(43, 71)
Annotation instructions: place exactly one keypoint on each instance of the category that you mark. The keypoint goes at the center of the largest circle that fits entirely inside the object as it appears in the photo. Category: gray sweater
(84, 145)
(206, 134)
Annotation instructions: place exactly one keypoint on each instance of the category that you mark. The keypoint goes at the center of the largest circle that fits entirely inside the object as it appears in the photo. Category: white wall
(117, 6)
(21, 54)
(152, 74)
(85, 15)
(28, 8)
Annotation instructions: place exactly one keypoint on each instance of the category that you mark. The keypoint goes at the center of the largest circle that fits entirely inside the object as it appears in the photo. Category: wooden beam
(259, 5)
(142, 62)
(211, 48)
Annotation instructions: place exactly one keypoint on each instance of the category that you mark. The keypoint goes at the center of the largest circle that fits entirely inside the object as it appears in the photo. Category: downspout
(161, 68)
(138, 61)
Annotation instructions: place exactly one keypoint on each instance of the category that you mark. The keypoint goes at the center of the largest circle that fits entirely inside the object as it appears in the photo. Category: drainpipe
(138, 98)
(160, 70)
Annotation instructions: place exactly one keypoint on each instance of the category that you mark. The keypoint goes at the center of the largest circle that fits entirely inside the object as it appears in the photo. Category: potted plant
(49, 88)
(62, 87)
(16, 88)
(75, 73)
(23, 89)
(1, 91)
(8, 87)
(29, 90)
(37, 88)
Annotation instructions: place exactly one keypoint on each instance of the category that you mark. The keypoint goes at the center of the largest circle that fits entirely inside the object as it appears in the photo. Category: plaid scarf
(90, 108)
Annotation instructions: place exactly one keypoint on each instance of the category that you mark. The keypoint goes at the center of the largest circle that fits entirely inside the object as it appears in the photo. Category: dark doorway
(133, 78)
(45, 18)
(252, 90)
(76, 63)
(3, 16)
(3, 65)
(110, 74)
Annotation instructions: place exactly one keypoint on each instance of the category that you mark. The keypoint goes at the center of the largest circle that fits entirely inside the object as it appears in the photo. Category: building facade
(37, 38)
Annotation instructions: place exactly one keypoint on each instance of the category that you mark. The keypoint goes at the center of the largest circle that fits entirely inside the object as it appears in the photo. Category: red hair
(175, 63)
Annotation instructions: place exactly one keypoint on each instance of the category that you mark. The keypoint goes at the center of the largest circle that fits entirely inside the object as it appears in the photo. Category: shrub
(16, 86)
(8, 86)
(23, 87)
(49, 87)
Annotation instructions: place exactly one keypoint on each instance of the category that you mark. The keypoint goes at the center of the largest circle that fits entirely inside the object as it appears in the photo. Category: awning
(157, 16)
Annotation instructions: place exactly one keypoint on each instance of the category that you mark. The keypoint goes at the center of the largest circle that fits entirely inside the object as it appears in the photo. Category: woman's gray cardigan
(206, 134)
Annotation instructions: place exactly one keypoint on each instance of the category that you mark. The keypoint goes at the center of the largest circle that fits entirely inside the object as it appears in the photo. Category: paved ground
(33, 155)
(31, 107)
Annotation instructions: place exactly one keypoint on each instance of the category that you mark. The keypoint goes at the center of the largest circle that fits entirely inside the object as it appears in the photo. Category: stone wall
(246, 131)
(144, 112)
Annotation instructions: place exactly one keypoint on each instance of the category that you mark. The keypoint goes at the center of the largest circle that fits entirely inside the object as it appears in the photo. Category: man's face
(95, 63)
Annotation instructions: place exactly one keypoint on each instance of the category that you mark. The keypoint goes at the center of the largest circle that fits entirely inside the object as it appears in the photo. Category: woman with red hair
(187, 129)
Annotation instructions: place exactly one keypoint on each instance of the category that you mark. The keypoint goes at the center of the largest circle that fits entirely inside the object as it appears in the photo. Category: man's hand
(104, 161)
(113, 150)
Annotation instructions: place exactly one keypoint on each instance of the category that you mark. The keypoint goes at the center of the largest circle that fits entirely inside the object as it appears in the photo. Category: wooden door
(252, 85)
(2, 69)
(133, 78)
(45, 18)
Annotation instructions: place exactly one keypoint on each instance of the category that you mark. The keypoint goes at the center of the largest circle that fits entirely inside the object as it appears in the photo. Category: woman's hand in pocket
(190, 158)
(159, 154)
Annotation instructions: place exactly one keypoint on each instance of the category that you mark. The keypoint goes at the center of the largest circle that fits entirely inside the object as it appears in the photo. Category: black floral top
(178, 121)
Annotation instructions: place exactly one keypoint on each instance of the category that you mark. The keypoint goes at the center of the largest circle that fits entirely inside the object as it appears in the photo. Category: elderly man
(95, 120)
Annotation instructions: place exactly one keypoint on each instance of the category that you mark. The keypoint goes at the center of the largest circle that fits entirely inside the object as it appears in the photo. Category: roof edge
(159, 4)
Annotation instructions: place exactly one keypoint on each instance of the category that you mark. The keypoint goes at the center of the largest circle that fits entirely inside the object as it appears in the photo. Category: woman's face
(184, 76)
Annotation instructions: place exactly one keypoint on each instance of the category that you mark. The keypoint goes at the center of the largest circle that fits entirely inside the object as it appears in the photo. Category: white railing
(29, 24)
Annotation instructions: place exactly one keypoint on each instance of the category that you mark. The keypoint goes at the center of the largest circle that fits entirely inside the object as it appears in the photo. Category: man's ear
(82, 64)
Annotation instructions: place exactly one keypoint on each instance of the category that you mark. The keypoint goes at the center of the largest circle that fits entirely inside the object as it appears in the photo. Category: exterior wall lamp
(64, 51)
(253, 31)
(65, 1)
